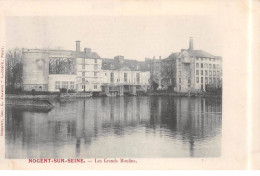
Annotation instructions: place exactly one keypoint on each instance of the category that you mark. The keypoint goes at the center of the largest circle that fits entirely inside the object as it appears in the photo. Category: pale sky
(134, 37)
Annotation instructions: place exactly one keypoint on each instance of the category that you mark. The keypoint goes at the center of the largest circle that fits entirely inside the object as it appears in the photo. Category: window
(95, 67)
(189, 80)
(57, 84)
(138, 77)
(197, 72)
(95, 60)
(197, 65)
(83, 63)
(217, 73)
(111, 77)
(125, 77)
(206, 80)
(214, 73)
(112, 66)
(179, 80)
(210, 73)
(71, 85)
(214, 66)
(179, 72)
(201, 65)
(214, 80)
(206, 65)
(197, 80)
(201, 79)
(95, 73)
(83, 74)
(105, 74)
(201, 59)
(209, 59)
(201, 72)
(206, 73)
(210, 80)
(95, 86)
(65, 84)
(210, 66)
(197, 58)
(83, 80)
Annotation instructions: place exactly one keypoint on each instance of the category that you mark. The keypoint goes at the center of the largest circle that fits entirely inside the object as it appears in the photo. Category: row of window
(207, 72)
(206, 59)
(84, 63)
(214, 66)
(207, 80)
(84, 74)
(84, 87)
(64, 84)
(125, 77)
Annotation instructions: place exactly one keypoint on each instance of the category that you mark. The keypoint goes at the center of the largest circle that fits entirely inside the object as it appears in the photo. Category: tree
(169, 72)
(154, 85)
(14, 68)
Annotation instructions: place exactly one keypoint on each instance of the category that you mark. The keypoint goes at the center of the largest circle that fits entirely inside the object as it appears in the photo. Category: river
(112, 127)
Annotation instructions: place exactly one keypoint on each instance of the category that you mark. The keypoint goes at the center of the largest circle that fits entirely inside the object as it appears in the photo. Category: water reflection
(117, 127)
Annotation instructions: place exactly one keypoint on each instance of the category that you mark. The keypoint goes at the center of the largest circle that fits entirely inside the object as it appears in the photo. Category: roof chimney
(77, 45)
(191, 44)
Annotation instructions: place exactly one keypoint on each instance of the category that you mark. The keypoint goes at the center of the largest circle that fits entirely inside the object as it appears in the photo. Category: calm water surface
(140, 127)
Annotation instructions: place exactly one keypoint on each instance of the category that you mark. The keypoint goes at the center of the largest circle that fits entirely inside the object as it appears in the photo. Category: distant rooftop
(133, 65)
(191, 52)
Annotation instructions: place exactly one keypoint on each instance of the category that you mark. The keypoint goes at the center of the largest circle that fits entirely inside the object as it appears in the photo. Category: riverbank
(87, 95)
(181, 94)
(47, 97)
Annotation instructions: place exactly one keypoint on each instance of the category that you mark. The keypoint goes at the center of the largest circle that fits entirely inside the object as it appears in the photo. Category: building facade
(81, 71)
(125, 76)
(52, 70)
(192, 70)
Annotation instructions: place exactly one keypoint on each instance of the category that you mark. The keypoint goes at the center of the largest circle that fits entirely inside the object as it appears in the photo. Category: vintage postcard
(125, 84)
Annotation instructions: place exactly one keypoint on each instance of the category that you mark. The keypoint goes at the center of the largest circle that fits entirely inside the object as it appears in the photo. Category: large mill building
(51, 70)
(191, 70)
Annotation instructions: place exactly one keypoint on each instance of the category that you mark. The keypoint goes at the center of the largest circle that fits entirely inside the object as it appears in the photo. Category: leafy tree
(14, 68)
(169, 72)
(154, 85)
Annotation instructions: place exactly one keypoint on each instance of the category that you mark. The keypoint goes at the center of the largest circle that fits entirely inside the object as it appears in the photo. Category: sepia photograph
(125, 85)
(112, 87)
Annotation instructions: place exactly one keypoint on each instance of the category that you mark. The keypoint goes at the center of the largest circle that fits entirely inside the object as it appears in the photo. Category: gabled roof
(172, 56)
(133, 65)
(190, 53)
(124, 68)
(200, 53)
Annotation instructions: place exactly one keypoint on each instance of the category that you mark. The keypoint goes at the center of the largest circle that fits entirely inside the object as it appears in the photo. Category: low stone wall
(31, 97)
(29, 103)
(47, 97)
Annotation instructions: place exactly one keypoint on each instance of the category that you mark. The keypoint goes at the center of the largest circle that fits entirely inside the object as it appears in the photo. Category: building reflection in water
(117, 127)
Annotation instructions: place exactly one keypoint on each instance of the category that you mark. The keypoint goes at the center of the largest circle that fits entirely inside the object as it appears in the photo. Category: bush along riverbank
(29, 95)
(182, 94)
